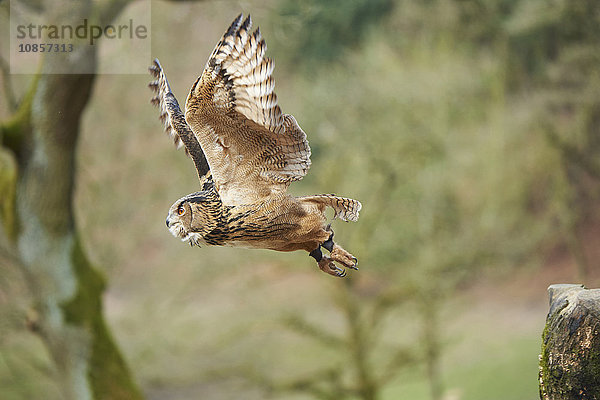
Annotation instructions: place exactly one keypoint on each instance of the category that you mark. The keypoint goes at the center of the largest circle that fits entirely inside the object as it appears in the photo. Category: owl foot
(326, 265)
(336, 255)
(339, 255)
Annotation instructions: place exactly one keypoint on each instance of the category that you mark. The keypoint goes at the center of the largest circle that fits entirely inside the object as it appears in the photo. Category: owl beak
(167, 222)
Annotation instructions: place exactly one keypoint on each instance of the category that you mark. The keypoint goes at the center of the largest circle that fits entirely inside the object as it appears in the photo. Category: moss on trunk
(67, 288)
(107, 371)
(8, 185)
(37, 179)
(570, 358)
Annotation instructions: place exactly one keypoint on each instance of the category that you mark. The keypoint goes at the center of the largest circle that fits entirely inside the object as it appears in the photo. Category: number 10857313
(45, 47)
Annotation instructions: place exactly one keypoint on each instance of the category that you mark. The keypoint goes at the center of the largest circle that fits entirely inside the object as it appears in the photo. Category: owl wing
(174, 121)
(253, 149)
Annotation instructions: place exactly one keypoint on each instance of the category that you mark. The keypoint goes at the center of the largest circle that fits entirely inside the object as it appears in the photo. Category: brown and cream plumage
(246, 153)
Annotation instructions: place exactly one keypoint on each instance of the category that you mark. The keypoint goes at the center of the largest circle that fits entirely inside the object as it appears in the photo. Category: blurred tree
(40, 236)
(468, 128)
(439, 129)
(320, 30)
(555, 46)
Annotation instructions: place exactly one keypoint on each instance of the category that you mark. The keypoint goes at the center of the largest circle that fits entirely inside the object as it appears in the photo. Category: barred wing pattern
(253, 150)
(174, 120)
(344, 208)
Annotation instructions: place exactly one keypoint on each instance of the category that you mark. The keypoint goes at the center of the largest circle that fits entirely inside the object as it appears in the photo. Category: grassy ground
(206, 340)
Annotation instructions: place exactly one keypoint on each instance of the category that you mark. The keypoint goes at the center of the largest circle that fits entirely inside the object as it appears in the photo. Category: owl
(246, 153)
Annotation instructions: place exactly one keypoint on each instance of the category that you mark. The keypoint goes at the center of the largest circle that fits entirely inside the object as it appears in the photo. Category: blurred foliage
(319, 31)
(469, 129)
(445, 117)
(439, 110)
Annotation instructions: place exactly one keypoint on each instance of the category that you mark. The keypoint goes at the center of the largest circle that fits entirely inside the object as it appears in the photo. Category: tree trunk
(66, 287)
(40, 230)
(570, 359)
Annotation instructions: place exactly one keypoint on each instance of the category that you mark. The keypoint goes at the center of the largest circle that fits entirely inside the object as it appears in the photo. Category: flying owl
(246, 153)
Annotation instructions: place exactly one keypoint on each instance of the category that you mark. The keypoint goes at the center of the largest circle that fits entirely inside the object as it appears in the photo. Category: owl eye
(180, 210)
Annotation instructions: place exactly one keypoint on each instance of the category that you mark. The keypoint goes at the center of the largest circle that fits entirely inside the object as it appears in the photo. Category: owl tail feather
(346, 209)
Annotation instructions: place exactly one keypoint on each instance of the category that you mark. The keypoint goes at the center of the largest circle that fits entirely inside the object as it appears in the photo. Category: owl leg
(343, 257)
(338, 254)
(326, 264)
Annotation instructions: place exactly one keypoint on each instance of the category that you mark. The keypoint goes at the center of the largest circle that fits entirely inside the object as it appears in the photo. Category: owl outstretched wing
(253, 149)
(174, 121)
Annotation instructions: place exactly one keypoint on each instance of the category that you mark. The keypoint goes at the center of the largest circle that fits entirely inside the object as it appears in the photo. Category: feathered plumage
(246, 153)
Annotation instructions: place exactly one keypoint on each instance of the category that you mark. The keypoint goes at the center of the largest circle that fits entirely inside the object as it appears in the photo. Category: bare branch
(304, 327)
(13, 131)
(401, 358)
(34, 6)
(325, 384)
(573, 154)
(9, 93)
(107, 11)
(387, 301)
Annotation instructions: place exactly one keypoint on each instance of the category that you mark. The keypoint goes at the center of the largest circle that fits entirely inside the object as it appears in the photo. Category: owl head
(194, 216)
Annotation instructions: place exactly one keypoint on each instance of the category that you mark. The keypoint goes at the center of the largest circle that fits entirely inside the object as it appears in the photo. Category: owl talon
(340, 272)
(326, 265)
(341, 256)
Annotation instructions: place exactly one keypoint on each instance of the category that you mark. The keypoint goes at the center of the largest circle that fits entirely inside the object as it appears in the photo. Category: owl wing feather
(344, 208)
(174, 121)
(253, 149)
